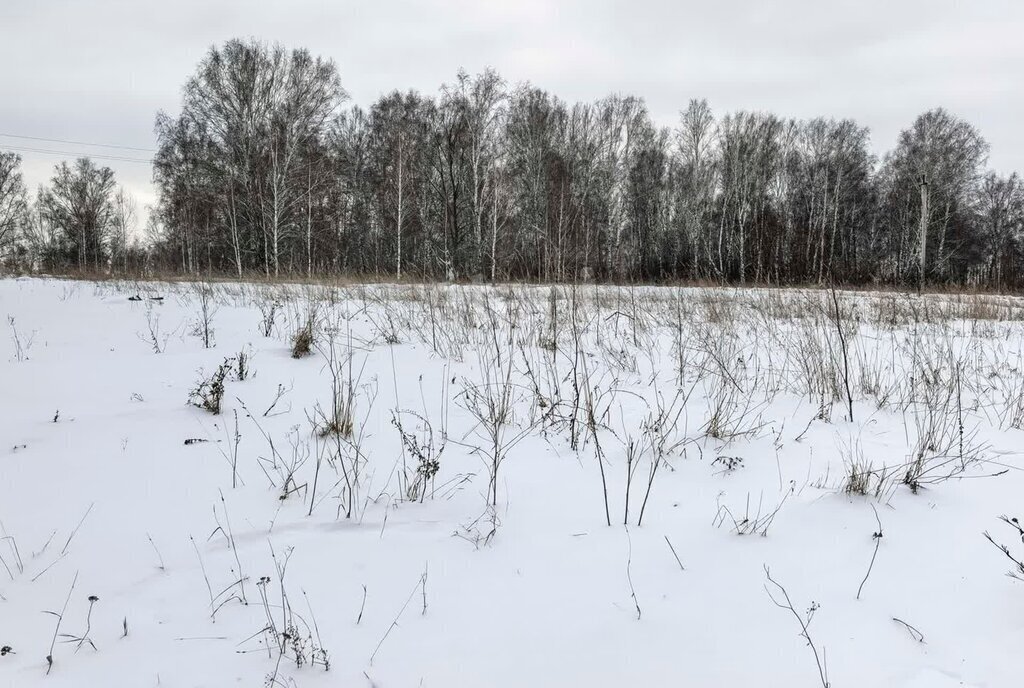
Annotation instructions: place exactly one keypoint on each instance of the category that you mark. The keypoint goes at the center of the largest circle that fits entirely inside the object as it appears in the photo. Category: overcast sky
(98, 71)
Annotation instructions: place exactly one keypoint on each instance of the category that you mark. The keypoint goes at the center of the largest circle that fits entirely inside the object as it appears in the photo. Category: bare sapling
(340, 427)
(207, 308)
(592, 414)
(275, 461)
(837, 320)
(634, 450)
(345, 380)
(156, 339)
(734, 409)
(320, 449)
(22, 344)
(492, 402)
(945, 447)
(778, 595)
(660, 428)
(577, 367)
(269, 309)
(286, 635)
(234, 438)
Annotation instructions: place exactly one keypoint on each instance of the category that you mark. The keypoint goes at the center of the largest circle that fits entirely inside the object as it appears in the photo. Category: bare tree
(1000, 208)
(79, 205)
(13, 199)
(123, 226)
(482, 98)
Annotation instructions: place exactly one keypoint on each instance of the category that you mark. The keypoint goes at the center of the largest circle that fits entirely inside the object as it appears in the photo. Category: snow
(98, 486)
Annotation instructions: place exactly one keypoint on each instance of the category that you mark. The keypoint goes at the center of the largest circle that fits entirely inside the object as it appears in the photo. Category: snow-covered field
(424, 499)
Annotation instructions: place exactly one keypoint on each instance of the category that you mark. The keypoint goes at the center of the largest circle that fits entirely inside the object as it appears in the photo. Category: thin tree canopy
(266, 170)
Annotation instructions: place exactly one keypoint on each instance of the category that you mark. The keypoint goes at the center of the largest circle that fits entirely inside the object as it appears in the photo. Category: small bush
(862, 478)
(242, 366)
(728, 464)
(341, 423)
(388, 331)
(209, 391)
(424, 450)
(302, 342)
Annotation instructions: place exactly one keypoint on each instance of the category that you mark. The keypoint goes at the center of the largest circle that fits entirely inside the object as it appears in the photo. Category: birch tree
(482, 97)
(947, 154)
(124, 215)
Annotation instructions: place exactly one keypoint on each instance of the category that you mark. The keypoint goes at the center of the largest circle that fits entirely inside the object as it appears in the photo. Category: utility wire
(77, 143)
(23, 149)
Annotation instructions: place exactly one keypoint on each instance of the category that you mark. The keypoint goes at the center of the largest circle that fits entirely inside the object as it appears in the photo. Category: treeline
(82, 220)
(267, 169)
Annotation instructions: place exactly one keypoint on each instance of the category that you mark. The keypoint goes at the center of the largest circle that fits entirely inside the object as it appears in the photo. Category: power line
(73, 154)
(78, 143)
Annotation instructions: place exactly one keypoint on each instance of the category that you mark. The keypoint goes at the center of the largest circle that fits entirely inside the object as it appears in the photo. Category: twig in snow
(13, 545)
(424, 588)
(629, 576)
(75, 531)
(914, 633)
(420, 583)
(281, 391)
(202, 567)
(52, 564)
(231, 541)
(678, 561)
(362, 606)
(384, 523)
(158, 555)
(877, 536)
(1018, 563)
(56, 630)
